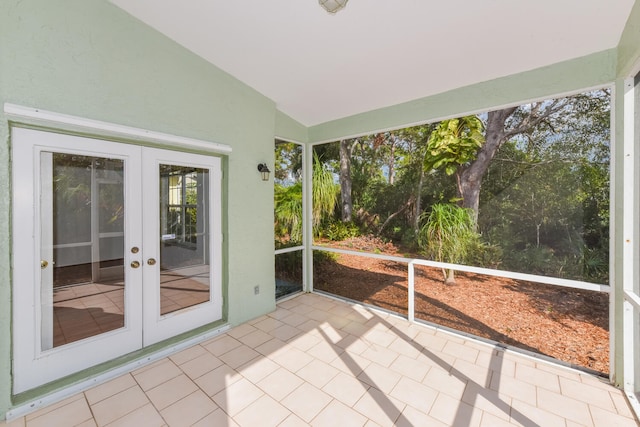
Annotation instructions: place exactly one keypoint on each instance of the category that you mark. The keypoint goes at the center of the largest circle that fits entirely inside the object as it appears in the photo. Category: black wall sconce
(264, 171)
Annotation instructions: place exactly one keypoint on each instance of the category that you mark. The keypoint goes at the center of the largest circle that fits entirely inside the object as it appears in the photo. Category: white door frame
(156, 327)
(33, 366)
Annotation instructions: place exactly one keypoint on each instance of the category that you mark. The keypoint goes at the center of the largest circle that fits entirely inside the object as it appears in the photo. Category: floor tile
(160, 373)
(352, 366)
(488, 400)
(72, 413)
(239, 356)
(221, 345)
(146, 416)
(591, 395)
(187, 354)
(452, 411)
(411, 417)
(293, 421)
(257, 369)
(445, 382)
(345, 388)
(255, 338)
(291, 358)
(525, 414)
(215, 419)
(215, 381)
(602, 418)
(380, 407)
(380, 355)
(306, 402)
(119, 405)
(410, 368)
(237, 396)
(317, 373)
(564, 406)
(54, 406)
(200, 365)
(171, 391)
(189, 410)
(280, 383)
(384, 379)
(109, 388)
(538, 378)
(264, 412)
(338, 412)
(414, 394)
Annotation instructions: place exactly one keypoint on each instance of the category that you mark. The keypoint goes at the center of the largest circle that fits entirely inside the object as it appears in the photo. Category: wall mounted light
(264, 171)
(332, 6)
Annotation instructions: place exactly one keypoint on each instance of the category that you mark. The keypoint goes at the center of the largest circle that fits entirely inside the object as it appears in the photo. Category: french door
(116, 247)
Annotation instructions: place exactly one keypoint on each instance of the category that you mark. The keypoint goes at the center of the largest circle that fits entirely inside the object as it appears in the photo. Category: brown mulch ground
(570, 325)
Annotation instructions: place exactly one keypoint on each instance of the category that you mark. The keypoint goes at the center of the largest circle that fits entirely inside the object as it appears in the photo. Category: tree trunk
(392, 161)
(345, 180)
(450, 278)
(418, 204)
(471, 176)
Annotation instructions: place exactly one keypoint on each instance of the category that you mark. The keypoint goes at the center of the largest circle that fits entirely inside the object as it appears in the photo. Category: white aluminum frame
(306, 213)
(631, 249)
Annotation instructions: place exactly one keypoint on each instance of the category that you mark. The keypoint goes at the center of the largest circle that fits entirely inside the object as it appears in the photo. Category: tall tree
(346, 202)
(453, 146)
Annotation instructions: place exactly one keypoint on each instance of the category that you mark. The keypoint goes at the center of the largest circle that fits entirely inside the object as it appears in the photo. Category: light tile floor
(321, 362)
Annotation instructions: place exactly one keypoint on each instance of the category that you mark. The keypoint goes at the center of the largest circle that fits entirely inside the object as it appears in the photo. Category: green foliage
(288, 212)
(325, 191)
(544, 201)
(447, 233)
(453, 143)
(339, 230)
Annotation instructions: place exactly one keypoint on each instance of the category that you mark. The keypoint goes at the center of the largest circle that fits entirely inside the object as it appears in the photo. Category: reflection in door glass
(82, 247)
(184, 237)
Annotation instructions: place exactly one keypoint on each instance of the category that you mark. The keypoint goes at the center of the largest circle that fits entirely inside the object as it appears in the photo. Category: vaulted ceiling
(318, 67)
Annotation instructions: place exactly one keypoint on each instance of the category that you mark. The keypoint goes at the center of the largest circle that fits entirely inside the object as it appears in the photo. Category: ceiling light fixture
(332, 6)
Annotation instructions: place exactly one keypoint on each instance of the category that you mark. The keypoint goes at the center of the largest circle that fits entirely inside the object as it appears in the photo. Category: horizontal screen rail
(568, 283)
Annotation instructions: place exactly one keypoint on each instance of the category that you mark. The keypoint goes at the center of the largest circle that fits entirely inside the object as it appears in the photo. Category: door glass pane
(184, 237)
(82, 247)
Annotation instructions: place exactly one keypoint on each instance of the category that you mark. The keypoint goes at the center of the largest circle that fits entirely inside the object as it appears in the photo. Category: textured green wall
(88, 58)
(289, 129)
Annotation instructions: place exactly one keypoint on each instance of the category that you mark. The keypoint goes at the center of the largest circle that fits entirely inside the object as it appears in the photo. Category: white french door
(116, 247)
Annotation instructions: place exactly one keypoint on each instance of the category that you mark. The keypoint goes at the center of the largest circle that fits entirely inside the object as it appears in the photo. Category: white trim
(35, 116)
(287, 250)
(629, 238)
(633, 299)
(411, 287)
(59, 395)
(307, 217)
(478, 270)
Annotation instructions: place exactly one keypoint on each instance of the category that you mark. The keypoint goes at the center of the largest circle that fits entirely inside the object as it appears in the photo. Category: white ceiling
(319, 67)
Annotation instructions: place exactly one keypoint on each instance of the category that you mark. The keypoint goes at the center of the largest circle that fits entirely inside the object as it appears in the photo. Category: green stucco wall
(289, 129)
(90, 59)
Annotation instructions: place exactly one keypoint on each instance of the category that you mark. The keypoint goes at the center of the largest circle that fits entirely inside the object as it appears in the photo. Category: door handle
(43, 264)
(135, 264)
(151, 261)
